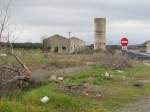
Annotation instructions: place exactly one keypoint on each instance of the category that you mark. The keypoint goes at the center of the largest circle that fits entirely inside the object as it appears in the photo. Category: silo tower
(100, 33)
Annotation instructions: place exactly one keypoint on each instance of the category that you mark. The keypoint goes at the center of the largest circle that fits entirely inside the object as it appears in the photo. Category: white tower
(100, 33)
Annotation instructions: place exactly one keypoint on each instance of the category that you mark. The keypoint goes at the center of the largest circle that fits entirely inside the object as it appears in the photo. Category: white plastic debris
(60, 78)
(53, 78)
(107, 74)
(45, 99)
(119, 71)
(86, 94)
(3, 55)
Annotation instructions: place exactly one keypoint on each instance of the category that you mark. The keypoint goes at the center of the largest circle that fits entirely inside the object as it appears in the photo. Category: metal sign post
(124, 43)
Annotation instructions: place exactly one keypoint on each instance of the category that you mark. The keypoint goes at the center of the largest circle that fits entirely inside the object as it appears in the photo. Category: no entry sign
(124, 41)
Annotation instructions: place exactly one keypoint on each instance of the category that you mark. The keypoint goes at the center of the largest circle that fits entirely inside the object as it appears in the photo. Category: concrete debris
(53, 78)
(86, 94)
(98, 95)
(44, 99)
(3, 55)
(60, 78)
(84, 89)
(86, 85)
(145, 81)
(56, 78)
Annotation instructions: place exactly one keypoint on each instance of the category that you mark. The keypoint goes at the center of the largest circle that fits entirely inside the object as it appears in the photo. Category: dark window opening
(56, 49)
(48, 48)
(64, 48)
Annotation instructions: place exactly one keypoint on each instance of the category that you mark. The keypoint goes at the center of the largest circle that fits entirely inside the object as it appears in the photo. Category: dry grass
(116, 91)
(37, 58)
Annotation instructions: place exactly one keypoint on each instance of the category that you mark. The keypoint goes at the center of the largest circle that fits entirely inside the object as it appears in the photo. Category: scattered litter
(45, 99)
(84, 89)
(86, 85)
(107, 75)
(60, 78)
(86, 94)
(53, 78)
(3, 55)
(119, 71)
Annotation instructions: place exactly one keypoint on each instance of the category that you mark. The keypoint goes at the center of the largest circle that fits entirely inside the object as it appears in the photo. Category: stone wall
(148, 47)
(56, 43)
(76, 44)
(60, 44)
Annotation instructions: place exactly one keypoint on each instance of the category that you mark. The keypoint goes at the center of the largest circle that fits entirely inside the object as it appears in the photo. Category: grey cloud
(40, 17)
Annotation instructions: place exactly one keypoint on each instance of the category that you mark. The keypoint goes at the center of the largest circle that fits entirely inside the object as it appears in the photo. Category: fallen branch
(21, 62)
(16, 78)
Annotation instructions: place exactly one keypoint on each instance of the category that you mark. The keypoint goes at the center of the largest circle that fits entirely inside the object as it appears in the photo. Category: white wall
(148, 47)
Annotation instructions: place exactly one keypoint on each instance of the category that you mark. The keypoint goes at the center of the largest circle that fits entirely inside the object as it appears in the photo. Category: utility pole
(69, 34)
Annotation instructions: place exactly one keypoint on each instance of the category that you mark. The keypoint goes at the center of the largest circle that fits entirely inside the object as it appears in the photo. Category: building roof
(144, 44)
(147, 42)
(59, 36)
(56, 35)
(76, 39)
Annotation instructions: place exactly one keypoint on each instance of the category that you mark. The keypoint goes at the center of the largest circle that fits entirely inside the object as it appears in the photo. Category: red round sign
(124, 41)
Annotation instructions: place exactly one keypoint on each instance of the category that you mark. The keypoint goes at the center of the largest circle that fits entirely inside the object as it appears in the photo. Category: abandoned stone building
(145, 47)
(60, 44)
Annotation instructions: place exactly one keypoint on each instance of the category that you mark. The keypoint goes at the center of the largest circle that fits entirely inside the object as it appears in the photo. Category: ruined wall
(100, 33)
(60, 44)
(148, 47)
(56, 44)
(76, 44)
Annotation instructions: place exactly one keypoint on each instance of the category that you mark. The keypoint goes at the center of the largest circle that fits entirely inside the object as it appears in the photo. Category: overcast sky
(34, 19)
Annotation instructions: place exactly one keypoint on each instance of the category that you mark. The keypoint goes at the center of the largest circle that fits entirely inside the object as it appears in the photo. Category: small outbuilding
(60, 44)
(145, 47)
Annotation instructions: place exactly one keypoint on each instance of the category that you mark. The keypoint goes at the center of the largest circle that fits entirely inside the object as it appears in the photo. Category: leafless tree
(5, 34)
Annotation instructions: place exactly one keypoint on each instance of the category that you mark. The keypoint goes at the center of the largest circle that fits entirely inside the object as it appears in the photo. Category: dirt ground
(142, 105)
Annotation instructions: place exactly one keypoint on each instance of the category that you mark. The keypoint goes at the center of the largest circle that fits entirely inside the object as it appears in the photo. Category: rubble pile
(12, 77)
(85, 89)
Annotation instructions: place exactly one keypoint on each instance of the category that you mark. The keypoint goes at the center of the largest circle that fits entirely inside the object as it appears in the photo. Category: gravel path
(142, 105)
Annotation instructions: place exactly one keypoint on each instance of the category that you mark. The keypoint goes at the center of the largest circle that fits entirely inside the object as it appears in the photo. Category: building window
(48, 48)
(63, 48)
(56, 49)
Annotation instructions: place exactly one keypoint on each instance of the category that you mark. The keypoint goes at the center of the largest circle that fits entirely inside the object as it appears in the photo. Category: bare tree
(5, 35)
